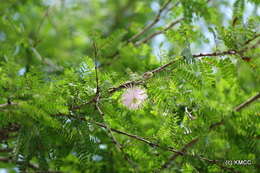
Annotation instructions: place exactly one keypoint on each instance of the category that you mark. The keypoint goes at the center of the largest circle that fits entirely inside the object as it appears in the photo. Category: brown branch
(163, 67)
(76, 107)
(141, 81)
(247, 102)
(175, 5)
(217, 162)
(96, 67)
(10, 160)
(46, 14)
(125, 85)
(10, 128)
(166, 148)
(138, 138)
(252, 39)
(155, 20)
(189, 113)
(118, 145)
(6, 150)
(116, 54)
(228, 52)
(5, 131)
(231, 52)
(156, 70)
(249, 47)
(149, 37)
(212, 126)
(97, 80)
(188, 145)
(7, 104)
(192, 143)
(174, 156)
(30, 165)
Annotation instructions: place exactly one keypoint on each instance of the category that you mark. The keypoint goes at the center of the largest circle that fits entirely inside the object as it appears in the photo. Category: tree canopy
(102, 86)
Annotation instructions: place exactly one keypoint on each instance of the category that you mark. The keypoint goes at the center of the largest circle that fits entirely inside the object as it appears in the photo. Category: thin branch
(155, 20)
(152, 144)
(191, 117)
(139, 82)
(125, 85)
(97, 81)
(252, 39)
(5, 131)
(186, 146)
(249, 47)
(174, 156)
(6, 150)
(156, 70)
(10, 160)
(115, 56)
(175, 5)
(217, 162)
(138, 138)
(228, 52)
(46, 14)
(141, 139)
(231, 52)
(247, 102)
(192, 143)
(96, 66)
(163, 67)
(76, 107)
(30, 165)
(149, 37)
(10, 128)
(212, 126)
(118, 145)
(7, 104)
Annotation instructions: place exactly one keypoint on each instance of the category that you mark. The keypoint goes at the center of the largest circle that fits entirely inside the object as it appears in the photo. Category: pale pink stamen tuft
(134, 97)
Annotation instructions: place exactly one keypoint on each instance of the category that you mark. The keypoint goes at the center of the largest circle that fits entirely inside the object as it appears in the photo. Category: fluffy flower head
(134, 97)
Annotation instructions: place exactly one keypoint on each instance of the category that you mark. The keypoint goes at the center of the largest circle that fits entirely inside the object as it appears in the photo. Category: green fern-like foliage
(66, 68)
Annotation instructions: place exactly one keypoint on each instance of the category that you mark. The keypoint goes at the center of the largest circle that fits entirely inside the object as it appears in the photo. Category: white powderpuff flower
(134, 97)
